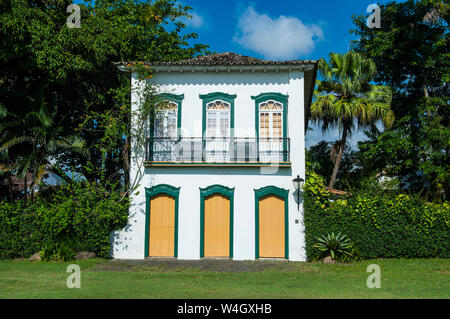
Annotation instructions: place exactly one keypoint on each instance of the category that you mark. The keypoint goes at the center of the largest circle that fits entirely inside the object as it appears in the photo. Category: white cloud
(195, 22)
(276, 38)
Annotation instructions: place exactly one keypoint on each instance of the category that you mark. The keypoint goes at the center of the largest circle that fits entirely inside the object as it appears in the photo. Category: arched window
(166, 118)
(270, 120)
(271, 126)
(217, 125)
(165, 129)
(218, 119)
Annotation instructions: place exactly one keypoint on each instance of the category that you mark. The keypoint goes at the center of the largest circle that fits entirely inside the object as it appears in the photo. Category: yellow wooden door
(162, 226)
(271, 227)
(217, 226)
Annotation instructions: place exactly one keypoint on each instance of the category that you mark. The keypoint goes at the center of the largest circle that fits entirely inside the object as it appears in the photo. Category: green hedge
(380, 224)
(81, 215)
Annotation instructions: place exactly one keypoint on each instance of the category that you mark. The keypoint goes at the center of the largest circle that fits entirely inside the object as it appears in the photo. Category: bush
(380, 224)
(334, 245)
(57, 251)
(78, 216)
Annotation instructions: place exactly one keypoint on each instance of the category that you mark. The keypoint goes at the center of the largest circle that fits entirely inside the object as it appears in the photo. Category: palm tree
(39, 141)
(345, 96)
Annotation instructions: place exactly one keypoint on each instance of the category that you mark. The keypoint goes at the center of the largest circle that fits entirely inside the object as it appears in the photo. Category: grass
(400, 278)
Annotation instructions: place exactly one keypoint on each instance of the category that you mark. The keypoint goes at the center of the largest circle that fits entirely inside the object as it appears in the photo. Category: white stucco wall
(129, 243)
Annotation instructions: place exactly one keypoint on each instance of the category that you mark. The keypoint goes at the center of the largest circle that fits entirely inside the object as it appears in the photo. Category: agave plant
(335, 245)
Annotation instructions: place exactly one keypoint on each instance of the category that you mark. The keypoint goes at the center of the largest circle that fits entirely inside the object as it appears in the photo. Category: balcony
(197, 151)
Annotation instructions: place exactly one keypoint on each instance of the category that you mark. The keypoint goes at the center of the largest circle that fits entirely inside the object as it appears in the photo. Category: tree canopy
(412, 53)
(345, 96)
(48, 68)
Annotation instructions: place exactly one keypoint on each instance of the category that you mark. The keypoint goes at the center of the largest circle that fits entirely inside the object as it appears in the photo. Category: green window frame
(151, 192)
(208, 191)
(281, 98)
(284, 194)
(175, 98)
(229, 98)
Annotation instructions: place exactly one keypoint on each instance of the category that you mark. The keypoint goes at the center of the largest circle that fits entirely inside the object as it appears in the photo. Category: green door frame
(211, 190)
(280, 192)
(152, 192)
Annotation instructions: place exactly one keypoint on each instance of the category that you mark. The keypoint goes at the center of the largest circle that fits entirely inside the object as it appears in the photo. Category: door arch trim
(151, 192)
(205, 192)
(284, 194)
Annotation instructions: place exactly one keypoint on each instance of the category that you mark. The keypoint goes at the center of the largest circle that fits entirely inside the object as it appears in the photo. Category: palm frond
(15, 141)
(3, 111)
(75, 144)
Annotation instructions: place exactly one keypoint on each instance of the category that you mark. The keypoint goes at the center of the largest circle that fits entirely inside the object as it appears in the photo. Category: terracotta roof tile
(336, 191)
(226, 58)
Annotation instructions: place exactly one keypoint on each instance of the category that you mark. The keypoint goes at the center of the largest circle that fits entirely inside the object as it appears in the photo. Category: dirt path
(216, 265)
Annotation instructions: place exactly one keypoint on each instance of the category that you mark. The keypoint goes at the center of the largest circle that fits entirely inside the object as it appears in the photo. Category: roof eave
(307, 66)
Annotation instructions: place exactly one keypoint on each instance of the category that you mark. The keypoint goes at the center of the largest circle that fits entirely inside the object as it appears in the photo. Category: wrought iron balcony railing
(217, 150)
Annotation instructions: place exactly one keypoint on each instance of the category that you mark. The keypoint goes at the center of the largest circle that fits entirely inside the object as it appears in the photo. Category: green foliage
(410, 51)
(412, 54)
(74, 217)
(345, 96)
(320, 157)
(45, 63)
(333, 245)
(380, 224)
(315, 188)
(354, 255)
(417, 150)
(57, 251)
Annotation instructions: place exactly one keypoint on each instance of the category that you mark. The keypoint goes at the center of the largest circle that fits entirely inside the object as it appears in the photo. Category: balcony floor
(220, 164)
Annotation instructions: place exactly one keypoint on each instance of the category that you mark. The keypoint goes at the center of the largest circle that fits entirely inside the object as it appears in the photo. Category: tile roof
(226, 58)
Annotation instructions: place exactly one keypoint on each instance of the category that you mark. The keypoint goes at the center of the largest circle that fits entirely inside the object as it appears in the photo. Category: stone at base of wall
(35, 257)
(81, 255)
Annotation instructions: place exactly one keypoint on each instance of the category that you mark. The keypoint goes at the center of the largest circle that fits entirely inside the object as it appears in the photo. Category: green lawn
(400, 278)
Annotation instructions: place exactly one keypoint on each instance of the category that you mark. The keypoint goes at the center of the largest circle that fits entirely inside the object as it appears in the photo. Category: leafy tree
(345, 97)
(416, 150)
(412, 54)
(42, 141)
(322, 162)
(76, 68)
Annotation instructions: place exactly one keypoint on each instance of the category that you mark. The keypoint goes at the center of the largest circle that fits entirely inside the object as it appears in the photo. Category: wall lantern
(298, 186)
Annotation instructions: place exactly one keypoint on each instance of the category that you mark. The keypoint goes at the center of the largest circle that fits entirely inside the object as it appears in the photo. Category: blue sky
(260, 29)
(218, 24)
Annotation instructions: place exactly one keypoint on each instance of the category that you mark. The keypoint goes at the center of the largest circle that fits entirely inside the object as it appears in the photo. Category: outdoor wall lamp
(298, 186)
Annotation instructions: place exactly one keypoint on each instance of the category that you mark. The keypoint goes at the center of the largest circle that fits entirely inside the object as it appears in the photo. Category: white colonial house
(216, 176)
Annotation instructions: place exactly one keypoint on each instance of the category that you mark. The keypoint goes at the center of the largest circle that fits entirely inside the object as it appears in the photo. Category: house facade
(223, 145)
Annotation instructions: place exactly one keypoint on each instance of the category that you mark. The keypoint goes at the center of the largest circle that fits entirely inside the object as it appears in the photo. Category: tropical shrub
(73, 217)
(57, 251)
(380, 223)
(334, 245)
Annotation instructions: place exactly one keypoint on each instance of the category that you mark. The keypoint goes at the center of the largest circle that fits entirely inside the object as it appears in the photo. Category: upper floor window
(271, 126)
(218, 119)
(218, 114)
(270, 119)
(166, 119)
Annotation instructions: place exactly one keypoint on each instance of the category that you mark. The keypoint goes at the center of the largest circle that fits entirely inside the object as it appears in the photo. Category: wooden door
(162, 226)
(271, 227)
(217, 226)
